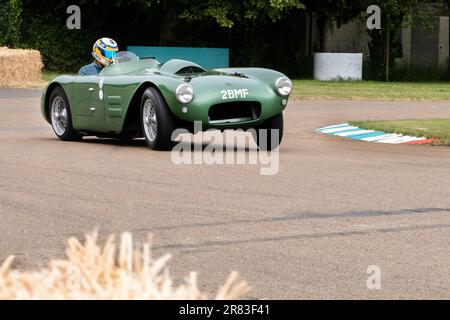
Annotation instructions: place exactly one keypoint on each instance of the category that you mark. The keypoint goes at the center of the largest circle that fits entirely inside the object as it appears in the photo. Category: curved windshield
(125, 56)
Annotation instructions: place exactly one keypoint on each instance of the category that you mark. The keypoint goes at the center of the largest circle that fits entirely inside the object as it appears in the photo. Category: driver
(104, 52)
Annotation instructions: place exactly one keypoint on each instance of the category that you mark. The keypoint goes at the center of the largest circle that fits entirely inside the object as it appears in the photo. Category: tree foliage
(11, 22)
(227, 13)
(268, 33)
(150, 22)
(384, 45)
(340, 11)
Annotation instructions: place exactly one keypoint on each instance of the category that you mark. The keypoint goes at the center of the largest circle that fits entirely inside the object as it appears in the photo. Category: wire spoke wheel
(59, 115)
(157, 121)
(150, 120)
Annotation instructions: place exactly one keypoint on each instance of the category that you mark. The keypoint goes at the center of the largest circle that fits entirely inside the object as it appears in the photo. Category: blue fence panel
(209, 58)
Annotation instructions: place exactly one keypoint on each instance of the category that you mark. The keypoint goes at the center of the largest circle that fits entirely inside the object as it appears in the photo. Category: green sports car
(135, 98)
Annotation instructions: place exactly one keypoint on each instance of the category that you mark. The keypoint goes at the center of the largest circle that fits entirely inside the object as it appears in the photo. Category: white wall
(338, 66)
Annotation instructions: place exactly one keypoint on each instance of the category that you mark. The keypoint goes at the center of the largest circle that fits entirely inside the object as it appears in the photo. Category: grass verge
(345, 90)
(371, 90)
(438, 129)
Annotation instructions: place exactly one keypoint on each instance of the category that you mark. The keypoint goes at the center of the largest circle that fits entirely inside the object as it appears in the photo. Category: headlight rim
(178, 93)
(277, 86)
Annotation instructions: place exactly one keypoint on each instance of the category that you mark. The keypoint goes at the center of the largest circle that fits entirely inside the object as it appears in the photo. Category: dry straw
(94, 272)
(19, 67)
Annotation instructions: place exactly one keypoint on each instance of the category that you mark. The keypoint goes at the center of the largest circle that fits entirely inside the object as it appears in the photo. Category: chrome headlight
(184, 93)
(283, 86)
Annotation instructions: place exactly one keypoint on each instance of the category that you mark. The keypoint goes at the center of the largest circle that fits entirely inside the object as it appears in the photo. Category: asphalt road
(311, 231)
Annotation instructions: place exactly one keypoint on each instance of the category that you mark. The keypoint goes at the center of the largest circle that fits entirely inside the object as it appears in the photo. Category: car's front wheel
(158, 123)
(61, 117)
(268, 136)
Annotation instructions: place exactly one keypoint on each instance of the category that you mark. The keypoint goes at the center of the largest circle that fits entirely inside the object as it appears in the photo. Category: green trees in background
(226, 14)
(331, 12)
(270, 33)
(15, 21)
(385, 44)
(229, 12)
(10, 28)
(3, 25)
(255, 30)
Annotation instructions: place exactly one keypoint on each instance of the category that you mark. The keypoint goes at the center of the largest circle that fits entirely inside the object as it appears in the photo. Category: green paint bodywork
(100, 104)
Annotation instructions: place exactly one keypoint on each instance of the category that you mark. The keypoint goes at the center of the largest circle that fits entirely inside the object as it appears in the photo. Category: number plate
(234, 94)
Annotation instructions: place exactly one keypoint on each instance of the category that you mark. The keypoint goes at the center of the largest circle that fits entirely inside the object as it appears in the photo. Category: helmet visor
(109, 54)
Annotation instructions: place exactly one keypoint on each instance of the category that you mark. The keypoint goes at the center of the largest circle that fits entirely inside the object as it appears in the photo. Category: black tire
(165, 121)
(264, 138)
(69, 133)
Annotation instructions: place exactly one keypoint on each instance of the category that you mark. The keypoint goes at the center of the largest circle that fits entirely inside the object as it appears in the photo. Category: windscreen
(125, 56)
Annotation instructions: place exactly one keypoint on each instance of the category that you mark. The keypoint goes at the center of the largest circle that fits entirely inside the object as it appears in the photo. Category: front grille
(239, 111)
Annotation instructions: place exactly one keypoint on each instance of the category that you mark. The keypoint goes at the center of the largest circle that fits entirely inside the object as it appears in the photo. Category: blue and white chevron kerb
(348, 131)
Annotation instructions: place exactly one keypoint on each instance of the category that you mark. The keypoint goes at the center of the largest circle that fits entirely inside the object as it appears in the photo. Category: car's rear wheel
(61, 117)
(268, 136)
(158, 123)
